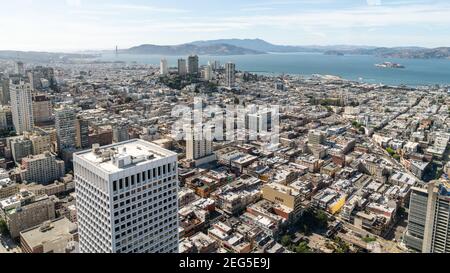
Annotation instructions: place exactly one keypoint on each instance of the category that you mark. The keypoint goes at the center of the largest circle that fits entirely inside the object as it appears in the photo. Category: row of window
(127, 182)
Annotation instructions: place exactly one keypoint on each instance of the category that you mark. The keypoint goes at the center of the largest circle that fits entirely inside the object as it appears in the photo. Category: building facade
(127, 198)
(429, 219)
(21, 105)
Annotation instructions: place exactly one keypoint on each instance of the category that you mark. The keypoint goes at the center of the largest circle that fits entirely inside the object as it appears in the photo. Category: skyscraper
(230, 76)
(127, 198)
(208, 72)
(182, 67)
(120, 133)
(82, 133)
(65, 123)
(193, 65)
(429, 218)
(21, 105)
(19, 68)
(42, 109)
(164, 68)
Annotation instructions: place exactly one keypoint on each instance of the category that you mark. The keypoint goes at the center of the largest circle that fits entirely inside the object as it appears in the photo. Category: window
(115, 185)
(120, 184)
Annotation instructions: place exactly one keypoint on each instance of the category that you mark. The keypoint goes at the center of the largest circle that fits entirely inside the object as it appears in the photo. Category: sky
(71, 25)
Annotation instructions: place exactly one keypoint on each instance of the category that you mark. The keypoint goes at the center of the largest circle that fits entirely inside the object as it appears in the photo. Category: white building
(42, 169)
(208, 72)
(199, 148)
(127, 198)
(164, 67)
(21, 105)
(65, 123)
(230, 74)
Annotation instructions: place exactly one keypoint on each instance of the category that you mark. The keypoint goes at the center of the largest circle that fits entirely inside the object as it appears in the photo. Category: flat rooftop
(54, 231)
(119, 156)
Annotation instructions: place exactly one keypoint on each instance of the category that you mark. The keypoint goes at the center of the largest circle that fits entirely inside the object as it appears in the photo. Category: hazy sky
(102, 24)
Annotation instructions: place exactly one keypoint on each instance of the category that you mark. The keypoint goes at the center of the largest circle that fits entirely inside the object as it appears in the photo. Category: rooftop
(49, 232)
(119, 156)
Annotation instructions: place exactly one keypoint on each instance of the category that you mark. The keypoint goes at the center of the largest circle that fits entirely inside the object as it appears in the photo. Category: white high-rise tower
(164, 68)
(21, 105)
(127, 198)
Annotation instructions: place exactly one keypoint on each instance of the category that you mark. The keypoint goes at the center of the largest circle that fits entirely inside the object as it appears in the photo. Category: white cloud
(374, 2)
(73, 3)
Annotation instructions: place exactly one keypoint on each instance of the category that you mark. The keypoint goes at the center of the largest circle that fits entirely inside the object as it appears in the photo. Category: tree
(390, 151)
(3, 227)
(286, 240)
(303, 248)
(321, 219)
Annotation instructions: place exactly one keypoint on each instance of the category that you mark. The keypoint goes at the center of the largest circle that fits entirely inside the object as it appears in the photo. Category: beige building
(57, 236)
(7, 188)
(289, 199)
(41, 141)
(51, 189)
(26, 210)
(43, 168)
(42, 109)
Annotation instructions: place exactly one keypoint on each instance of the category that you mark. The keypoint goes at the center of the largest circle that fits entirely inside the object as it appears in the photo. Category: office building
(65, 119)
(182, 69)
(192, 65)
(429, 218)
(164, 67)
(21, 105)
(127, 198)
(230, 74)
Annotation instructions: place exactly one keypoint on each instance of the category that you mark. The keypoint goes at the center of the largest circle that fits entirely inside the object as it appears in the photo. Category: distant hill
(261, 45)
(40, 56)
(403, 52)
(186, 49)
(255, 44)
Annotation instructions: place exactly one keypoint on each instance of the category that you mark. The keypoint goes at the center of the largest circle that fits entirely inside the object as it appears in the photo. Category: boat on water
(389, 65)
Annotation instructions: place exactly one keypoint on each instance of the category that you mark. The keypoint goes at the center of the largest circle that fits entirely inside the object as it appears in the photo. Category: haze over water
(351, 67)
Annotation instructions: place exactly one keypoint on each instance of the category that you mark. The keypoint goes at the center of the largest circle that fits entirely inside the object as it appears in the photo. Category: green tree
(321, 219)
(3, 227)
(286, 240)
(390, 151)
(303, 248)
